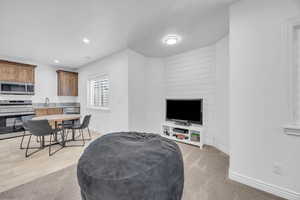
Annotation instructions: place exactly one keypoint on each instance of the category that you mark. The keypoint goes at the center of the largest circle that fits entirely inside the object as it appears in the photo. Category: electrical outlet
(277, 169)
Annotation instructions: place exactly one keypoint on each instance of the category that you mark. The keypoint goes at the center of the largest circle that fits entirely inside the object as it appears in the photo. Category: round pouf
(131, 166)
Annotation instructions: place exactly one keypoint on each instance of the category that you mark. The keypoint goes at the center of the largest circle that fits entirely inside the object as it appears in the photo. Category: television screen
(184, 110)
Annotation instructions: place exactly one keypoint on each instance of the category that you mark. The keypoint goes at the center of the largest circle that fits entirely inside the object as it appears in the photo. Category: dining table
(57, 119)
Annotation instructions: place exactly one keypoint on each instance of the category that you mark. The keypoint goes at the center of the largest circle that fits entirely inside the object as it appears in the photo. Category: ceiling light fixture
(171, 39)
(86, 40)
(56, 61)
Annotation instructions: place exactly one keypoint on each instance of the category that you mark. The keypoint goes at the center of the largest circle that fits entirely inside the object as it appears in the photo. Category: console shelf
(193, 134)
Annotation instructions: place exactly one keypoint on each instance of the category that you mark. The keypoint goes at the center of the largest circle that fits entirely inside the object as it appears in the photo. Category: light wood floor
(16, 170)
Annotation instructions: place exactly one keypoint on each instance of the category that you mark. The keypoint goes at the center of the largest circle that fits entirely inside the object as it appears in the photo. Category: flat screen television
(187, 110)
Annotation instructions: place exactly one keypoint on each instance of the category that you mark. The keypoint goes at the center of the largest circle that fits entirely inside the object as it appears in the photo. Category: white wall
(221, 137)
(116, 118)
(155, 94)
(136, 91)
(45, 86)
(145, 92)
(259, 105)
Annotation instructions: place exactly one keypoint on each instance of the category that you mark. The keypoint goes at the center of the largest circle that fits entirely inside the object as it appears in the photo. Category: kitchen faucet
(47, 101)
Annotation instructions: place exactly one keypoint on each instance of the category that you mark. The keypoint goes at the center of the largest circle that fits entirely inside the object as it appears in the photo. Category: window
(99, 92)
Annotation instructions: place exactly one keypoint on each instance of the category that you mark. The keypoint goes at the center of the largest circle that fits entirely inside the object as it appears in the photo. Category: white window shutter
(99, 92)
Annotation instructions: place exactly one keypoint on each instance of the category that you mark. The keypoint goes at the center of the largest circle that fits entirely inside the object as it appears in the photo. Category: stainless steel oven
(11, 112)
(16, 88)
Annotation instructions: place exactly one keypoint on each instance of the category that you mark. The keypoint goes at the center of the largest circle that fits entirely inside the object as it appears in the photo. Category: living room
(215, 80)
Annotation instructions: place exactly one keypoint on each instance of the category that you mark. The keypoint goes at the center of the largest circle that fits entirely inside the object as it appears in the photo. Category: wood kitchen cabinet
(67, 83)
(48, 111)
(55, 111)
(16, 72)
(41, 111)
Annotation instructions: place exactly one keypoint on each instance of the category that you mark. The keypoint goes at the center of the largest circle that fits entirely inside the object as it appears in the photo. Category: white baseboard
(261, 185)
(220, 146)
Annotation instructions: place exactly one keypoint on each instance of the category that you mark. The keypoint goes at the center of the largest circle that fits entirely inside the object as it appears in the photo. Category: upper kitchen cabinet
(67, 83)
(16, 72)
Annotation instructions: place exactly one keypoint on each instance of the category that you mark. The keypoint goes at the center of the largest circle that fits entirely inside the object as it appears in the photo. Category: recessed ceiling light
(171, 39)
(56, 61)
(86, 40)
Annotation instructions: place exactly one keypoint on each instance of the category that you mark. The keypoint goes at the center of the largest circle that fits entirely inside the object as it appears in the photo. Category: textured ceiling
(41, 31)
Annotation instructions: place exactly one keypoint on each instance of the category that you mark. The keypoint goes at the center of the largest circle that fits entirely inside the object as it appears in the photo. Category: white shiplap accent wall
(192, 75)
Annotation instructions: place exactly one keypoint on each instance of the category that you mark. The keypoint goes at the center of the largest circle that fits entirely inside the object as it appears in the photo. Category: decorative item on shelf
(166, 131)
(181, 136)
(181, 130)
(195, 136)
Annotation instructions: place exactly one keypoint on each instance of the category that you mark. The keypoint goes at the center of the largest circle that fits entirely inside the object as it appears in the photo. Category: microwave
(16, 88)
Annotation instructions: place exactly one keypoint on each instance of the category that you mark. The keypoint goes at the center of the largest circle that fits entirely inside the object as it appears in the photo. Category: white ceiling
(41, 31)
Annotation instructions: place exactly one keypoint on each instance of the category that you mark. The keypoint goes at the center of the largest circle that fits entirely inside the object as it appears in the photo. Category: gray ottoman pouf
(131, 166)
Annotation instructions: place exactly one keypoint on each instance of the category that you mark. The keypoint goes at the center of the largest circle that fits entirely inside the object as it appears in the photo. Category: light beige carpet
(205, 179)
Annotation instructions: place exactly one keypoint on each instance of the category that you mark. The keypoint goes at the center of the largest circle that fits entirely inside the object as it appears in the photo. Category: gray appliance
(11, 112)
(71, 110)
(16, 88)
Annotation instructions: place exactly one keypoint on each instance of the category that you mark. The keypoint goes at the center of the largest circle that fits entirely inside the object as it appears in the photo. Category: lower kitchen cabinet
(48, 111)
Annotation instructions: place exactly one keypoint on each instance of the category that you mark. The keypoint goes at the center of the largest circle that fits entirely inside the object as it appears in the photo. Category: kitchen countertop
(16, 114)
(18, 110)
(56, 105)
(37, 107)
